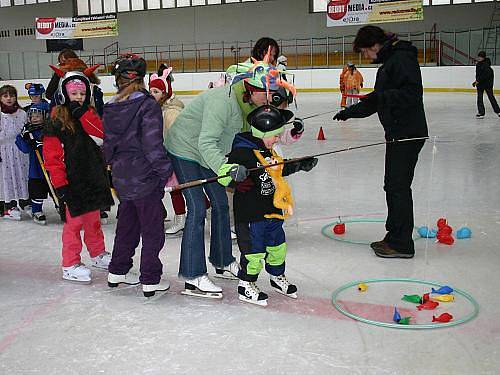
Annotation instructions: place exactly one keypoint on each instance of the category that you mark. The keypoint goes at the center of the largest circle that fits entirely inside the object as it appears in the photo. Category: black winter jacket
(484, 74)
(252, 205)
(398, 93)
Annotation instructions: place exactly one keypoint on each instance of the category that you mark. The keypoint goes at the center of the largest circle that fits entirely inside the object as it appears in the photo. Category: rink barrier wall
(435, 79)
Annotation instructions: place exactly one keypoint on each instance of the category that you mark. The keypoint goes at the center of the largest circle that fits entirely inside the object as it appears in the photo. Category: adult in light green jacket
(198, 143)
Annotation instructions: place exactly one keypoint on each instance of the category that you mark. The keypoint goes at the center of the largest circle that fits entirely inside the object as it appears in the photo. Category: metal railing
(458, 47)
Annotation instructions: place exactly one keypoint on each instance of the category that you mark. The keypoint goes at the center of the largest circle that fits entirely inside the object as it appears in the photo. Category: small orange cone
(321, 134)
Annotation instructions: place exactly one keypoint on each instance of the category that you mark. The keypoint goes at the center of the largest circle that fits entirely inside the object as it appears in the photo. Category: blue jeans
(193, 263)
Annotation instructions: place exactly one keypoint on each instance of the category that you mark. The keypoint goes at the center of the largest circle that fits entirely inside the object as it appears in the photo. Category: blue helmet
(42, 107)
(35, 89)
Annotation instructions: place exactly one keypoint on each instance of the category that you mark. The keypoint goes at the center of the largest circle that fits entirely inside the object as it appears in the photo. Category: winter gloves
(234, 172)
(341, 116)
(77, 110)
(62, 195)
(298, 127)
(28, 137)
(302, 165)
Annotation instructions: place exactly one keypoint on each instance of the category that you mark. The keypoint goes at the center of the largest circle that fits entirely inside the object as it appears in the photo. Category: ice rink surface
(50, 326)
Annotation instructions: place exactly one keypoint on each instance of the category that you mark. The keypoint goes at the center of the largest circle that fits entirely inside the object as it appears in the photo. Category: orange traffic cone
(321, 134)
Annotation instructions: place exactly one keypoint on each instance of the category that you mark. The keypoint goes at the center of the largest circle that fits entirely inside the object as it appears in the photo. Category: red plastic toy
(339, 228)
(446, 229)
(428, 305)
(425, 297)
(443, 318)
(446, 239)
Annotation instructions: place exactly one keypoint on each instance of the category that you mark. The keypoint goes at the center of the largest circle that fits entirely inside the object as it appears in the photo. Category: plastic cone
(321, 134)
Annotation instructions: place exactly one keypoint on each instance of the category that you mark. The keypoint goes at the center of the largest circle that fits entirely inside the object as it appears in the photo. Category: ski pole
(293, 160)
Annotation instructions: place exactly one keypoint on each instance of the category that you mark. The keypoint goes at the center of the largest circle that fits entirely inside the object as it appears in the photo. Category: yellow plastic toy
(282, 198)
(362, 287)
(443, 297)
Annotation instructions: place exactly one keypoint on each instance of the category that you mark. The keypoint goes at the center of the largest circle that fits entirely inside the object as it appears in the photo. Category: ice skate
(101, 261)
(149, 290)
(12, 214)
(27, 210)
(250, 292)
(233, 234)
(479, 115)
(228, 272)
(104, 217)
(129, 279)
(281, 285)
(78, 273)
(175, 228)
(202, 286)
(39, 218)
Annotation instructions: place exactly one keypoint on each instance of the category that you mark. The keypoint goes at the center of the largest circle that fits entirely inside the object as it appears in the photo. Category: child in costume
(77, 172)
(353, 81)
(29, 141)
(134, 148)
(13, 163)
(258, 220)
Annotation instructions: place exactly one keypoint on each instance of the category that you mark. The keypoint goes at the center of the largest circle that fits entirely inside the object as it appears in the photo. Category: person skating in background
(261, 238)
(353, 81)
(282, 63)
(484, 82)
(134, 149)
(35, 92)
(29, 141)
(13, 163)
(77, 172)
(398, 100)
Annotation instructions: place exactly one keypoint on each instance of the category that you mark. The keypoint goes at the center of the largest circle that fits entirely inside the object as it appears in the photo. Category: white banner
(77, 27)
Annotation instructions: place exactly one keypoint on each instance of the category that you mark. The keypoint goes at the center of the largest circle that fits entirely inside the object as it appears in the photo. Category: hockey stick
(46, 175)
(294, 160)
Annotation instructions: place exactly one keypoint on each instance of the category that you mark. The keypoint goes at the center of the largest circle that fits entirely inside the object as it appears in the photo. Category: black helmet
(267, 120)
(129, 66)
(281, 95)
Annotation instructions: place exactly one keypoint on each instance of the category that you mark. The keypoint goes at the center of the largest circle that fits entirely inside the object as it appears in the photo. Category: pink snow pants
(72, 242)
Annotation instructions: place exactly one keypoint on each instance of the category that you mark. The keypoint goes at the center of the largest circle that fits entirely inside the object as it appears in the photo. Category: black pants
(491, 97)
(400, 162)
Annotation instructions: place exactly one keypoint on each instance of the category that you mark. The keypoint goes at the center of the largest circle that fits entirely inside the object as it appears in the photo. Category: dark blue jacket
(133, 146)
(35, 170)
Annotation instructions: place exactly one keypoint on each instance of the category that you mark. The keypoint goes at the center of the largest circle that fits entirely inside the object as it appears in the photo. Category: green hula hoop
(467, 296)
(327, 232)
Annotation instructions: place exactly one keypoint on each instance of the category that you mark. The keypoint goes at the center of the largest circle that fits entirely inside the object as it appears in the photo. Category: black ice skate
(281, 285)
(250, 292)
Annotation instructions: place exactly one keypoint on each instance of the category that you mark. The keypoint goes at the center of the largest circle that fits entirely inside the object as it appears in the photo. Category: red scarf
(8, 109)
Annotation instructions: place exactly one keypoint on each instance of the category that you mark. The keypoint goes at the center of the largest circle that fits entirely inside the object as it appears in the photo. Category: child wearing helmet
(77, 172)
(134, 149)
(29, 141)
(35, 92)
(258, 219)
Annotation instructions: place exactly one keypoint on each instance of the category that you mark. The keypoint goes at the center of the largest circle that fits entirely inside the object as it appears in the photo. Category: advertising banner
(358, 12)
(104, 25)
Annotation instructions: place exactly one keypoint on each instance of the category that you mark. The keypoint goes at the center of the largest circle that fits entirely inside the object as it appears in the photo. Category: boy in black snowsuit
(261, 239)
(484, 82)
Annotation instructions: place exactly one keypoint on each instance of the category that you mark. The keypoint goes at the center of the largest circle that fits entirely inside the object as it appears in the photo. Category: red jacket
(53, 152)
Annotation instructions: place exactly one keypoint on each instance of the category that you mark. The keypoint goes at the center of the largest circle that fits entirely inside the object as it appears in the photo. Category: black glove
(341, 116)
(77, 110)
(307, 164)
(298, 127)
(30, 139)
(238, 173)
(62, 193)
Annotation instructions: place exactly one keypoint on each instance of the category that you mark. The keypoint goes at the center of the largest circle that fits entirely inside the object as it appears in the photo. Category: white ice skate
(202, 286)
(27, 210)
(101, 261)
(175, 228)
(39, 218)
(12, 214)
(250, 292)
(281, 285)
(229, 272)
(233, 234)
(149, 290)
(129, 279)
(78, 273)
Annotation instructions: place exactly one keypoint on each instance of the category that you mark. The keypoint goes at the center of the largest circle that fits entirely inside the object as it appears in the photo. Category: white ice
(49, 326)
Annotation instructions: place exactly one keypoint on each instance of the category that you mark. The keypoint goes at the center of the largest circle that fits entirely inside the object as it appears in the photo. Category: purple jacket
(133, 146)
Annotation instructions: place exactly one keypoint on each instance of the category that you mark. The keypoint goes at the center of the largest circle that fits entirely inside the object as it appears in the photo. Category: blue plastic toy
(463, 232)
(443, 290)
(396, 317)
(425, 232)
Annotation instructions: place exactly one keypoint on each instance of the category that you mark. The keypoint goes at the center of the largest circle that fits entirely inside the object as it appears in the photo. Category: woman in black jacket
(398, 100)
(484, 82)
